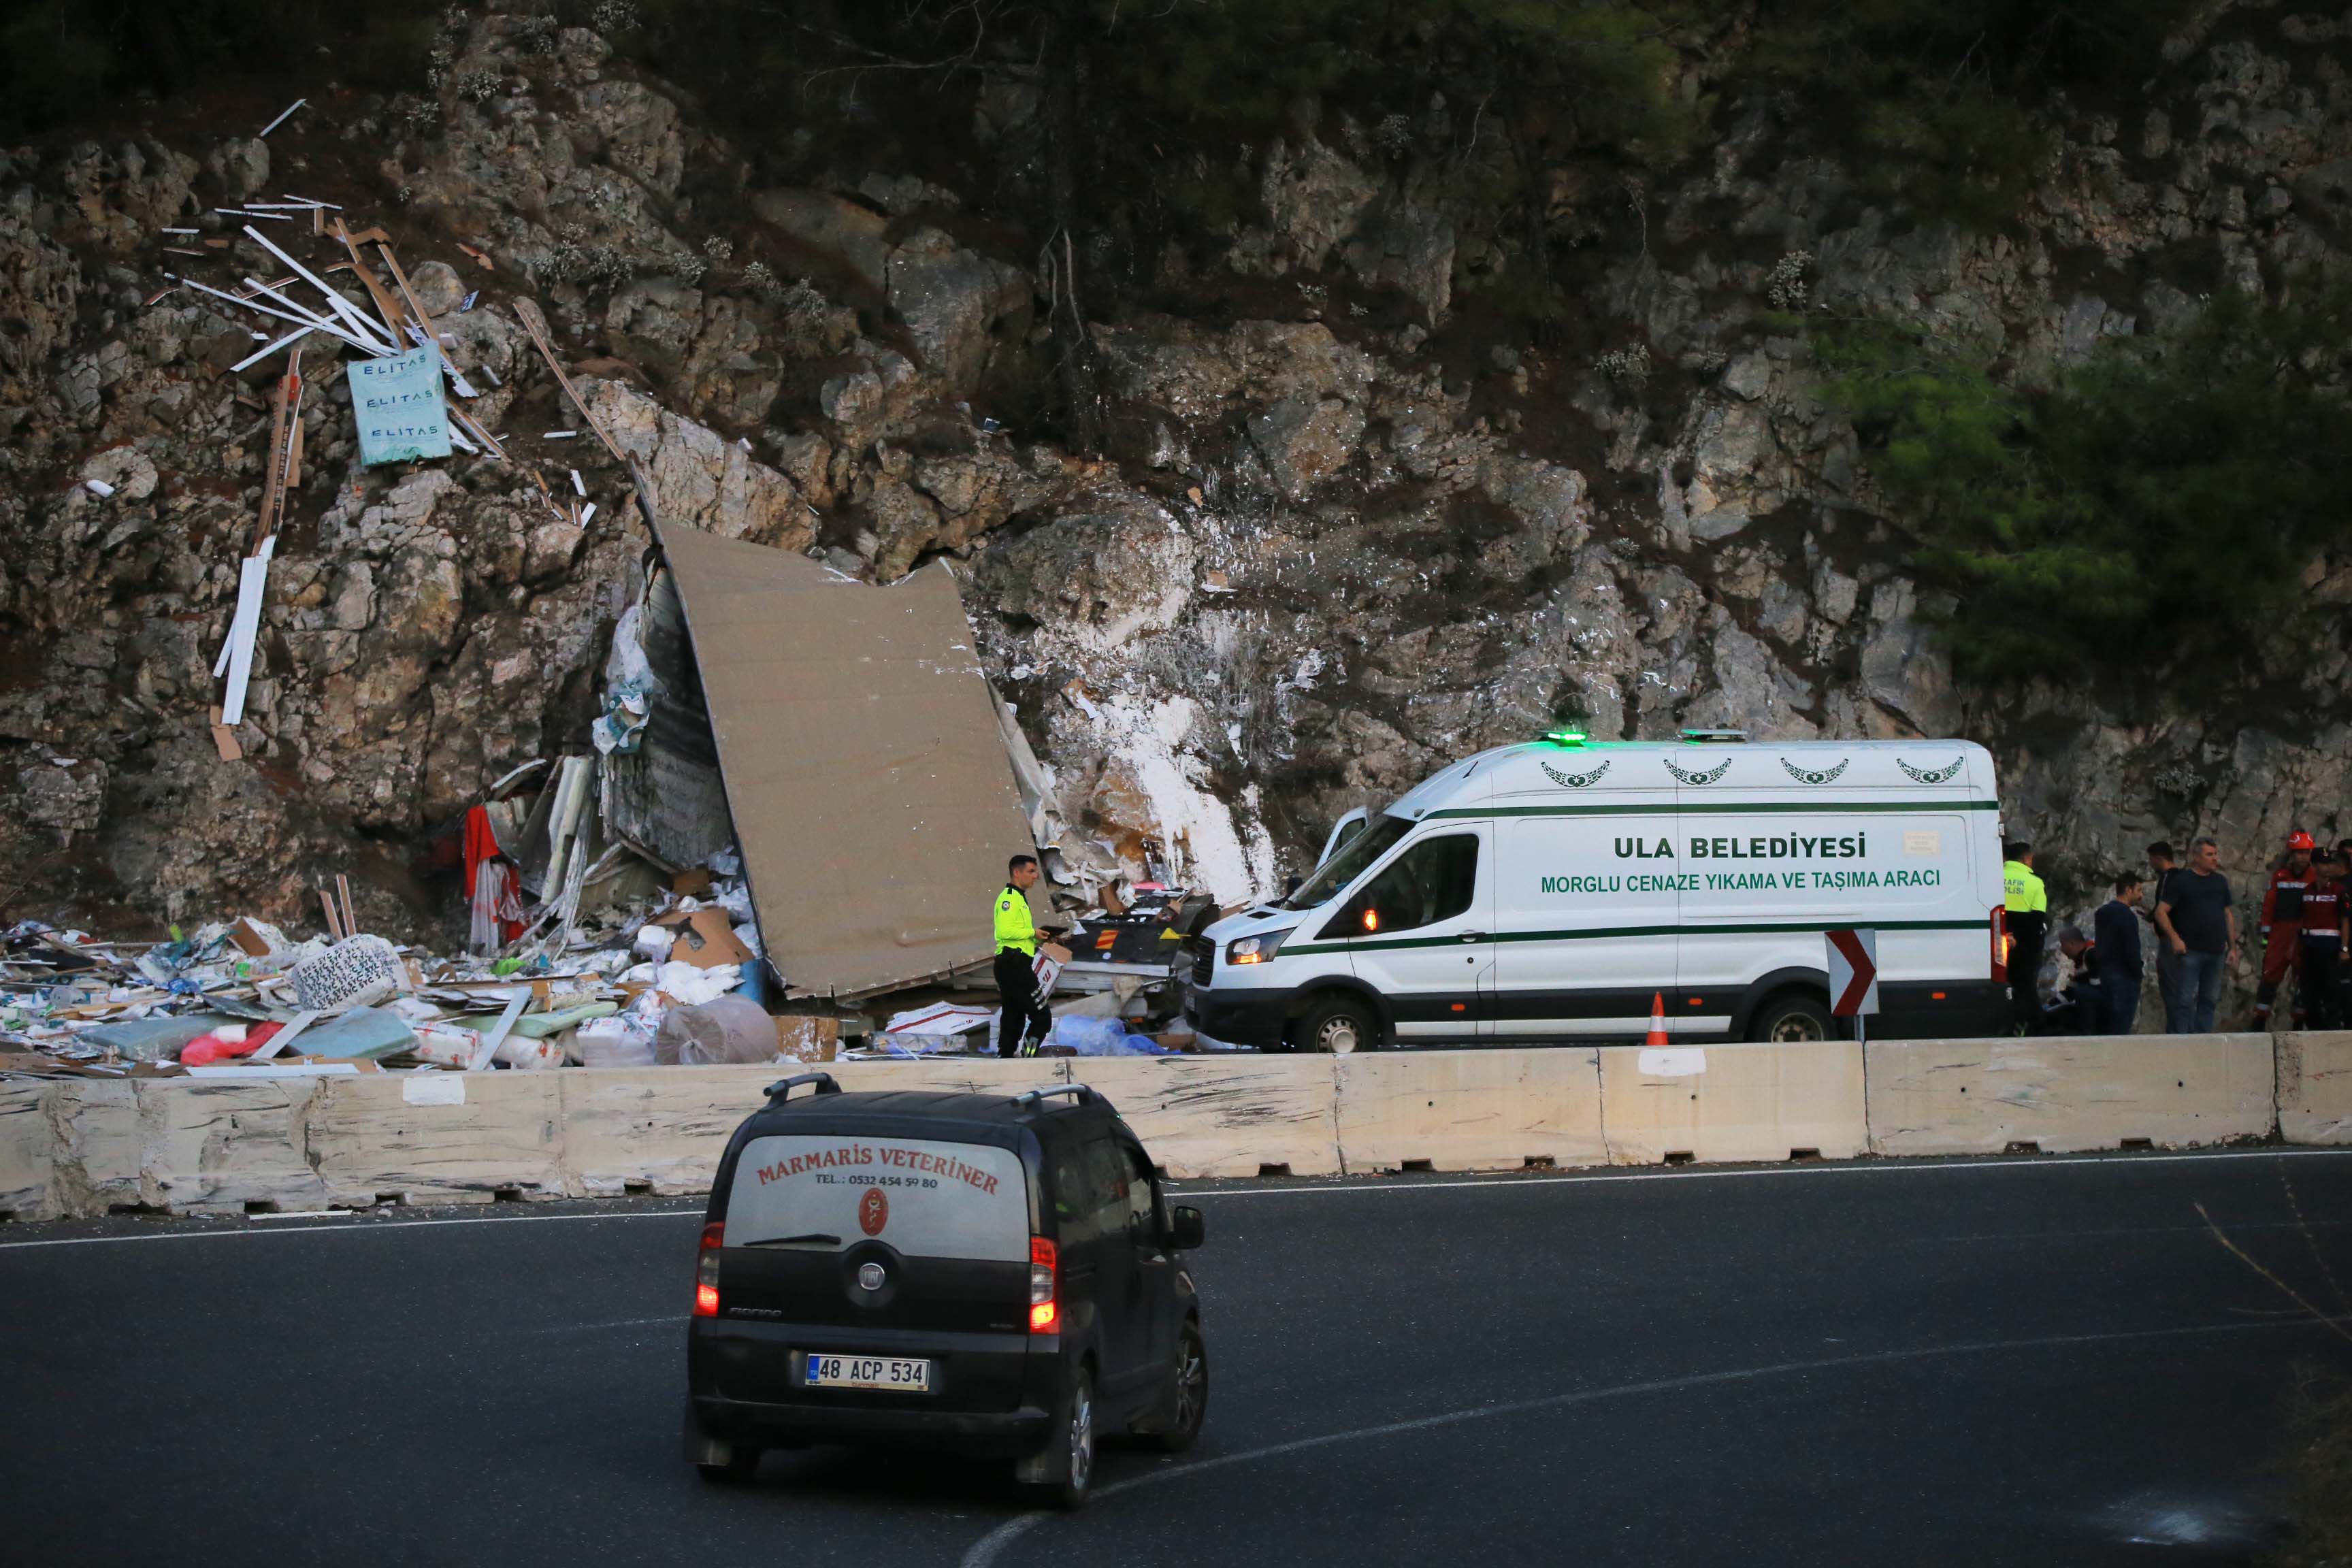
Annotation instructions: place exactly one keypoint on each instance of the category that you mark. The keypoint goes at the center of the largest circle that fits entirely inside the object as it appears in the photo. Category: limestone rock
(700, 478)
(241, 164)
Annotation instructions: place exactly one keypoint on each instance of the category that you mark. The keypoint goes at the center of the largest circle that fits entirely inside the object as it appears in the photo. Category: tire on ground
(1337, 1023)
(1792, 1016)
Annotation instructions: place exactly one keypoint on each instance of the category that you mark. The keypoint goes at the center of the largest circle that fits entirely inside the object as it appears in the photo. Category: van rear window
(927, 1199)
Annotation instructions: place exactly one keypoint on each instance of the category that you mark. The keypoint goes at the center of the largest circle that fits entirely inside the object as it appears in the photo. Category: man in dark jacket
(2116, 956)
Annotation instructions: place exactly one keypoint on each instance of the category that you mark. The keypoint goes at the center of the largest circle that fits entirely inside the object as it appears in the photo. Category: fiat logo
(869, 1276)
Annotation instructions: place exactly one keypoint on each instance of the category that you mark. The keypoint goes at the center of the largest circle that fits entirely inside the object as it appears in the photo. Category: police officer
(2026, 905)
(1017, 936)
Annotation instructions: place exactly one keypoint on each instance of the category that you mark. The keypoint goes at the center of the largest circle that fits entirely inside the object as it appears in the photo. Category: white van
(1549, 891)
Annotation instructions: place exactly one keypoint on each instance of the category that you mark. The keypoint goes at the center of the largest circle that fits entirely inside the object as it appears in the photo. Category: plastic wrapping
(727, 1030)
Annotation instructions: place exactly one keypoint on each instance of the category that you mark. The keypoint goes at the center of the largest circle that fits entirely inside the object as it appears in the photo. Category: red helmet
(2299, 839)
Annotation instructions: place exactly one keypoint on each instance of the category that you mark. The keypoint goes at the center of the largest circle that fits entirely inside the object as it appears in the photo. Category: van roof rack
(1715, 737)
(1077, 1091)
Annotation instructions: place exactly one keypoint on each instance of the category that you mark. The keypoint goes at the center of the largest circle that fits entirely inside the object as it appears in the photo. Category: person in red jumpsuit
(2323, 919)
(2282, 921)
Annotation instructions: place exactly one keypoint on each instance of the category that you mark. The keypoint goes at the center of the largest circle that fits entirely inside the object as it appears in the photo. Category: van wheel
(1071, 1450)
(1793, 1018)
(1186, 1403)
(1340, 1026)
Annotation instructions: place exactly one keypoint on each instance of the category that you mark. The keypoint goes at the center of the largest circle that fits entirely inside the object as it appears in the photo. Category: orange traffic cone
(1657, 1019)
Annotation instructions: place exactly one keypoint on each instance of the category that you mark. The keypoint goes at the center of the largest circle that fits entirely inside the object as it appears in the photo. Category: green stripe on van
(1596, 933)
(1716, 808)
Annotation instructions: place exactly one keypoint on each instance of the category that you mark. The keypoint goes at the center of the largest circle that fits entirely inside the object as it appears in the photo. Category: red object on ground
(206, 1049)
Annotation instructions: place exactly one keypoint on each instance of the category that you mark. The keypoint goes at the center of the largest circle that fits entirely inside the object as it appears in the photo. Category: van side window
(1142, 1197)
(1075, 1204)
(1433, 880)
(1110, 1175)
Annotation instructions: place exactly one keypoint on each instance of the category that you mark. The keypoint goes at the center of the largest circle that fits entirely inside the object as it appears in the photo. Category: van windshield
(927, 1199)
(1379, 836)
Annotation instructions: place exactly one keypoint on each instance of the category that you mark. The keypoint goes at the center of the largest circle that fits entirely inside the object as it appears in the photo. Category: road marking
(1345, 1186)
(986, 1551)
(1799, 1168)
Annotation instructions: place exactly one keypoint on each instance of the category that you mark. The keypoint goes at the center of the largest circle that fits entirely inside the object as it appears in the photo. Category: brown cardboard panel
(706, 937)
(866, 773)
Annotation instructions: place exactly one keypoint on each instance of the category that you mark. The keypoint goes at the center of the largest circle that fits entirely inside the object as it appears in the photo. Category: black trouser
(1016, 977)
(2025, 969)
(2314, 989)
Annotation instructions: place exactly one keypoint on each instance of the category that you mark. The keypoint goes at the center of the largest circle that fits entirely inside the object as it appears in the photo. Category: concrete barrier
(1733, 1101)
(84, 1146)
(2314, 1088)
(1973, 1097)
(27, 1149)
(1226, 1116)
(1469, 1110)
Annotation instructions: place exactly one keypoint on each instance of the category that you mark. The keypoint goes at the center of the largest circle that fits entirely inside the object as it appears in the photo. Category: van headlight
(1256, 948)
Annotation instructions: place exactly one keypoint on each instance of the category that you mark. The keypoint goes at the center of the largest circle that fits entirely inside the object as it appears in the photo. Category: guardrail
(84, 1147)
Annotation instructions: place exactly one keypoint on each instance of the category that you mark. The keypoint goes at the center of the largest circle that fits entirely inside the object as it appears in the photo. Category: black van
(987, 1274)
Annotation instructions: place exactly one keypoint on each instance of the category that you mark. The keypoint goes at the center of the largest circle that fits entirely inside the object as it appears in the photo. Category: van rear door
(918, 1243)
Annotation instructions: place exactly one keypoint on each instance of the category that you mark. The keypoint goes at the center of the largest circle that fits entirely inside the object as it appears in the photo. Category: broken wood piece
(285, 1037)
(257, 356)
(422, 329)
(485, 263)
(343, 886)
(385, 305)
(304, 319)
(225, 740)
(334, 926)
(578, 489)
(536, 324)
(283, 117)
(342, 307)
(289, 411)
(496, 1034)
(237, 656)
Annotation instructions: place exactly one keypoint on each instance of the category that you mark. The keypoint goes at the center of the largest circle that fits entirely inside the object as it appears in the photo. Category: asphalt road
(2020, 1360)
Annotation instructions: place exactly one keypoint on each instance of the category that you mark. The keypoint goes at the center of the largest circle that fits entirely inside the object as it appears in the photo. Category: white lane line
(986, 1551)
(1801, 1168)
(380, 1228)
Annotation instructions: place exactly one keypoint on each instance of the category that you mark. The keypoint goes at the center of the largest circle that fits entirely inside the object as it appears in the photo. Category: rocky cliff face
(1343, 531)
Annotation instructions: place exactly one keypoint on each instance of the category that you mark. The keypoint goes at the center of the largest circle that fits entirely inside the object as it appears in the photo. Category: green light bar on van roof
(1565, 737)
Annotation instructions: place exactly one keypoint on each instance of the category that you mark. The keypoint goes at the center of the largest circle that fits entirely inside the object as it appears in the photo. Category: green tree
(2146, 517)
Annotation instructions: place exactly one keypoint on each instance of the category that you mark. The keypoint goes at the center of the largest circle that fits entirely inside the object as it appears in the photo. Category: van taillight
(706, 1270)
(1045, 1310)
(2000, 944)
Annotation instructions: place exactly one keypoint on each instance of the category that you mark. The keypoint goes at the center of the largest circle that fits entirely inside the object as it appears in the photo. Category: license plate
(897, 1374)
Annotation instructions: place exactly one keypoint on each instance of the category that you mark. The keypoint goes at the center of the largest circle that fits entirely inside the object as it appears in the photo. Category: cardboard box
(807, 1037)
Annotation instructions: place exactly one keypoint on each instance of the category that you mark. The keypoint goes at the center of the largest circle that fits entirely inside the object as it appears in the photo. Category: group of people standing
(2191, 917)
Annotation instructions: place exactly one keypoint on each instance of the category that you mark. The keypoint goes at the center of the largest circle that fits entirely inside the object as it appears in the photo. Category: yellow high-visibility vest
(2022, 891)
(1016, 927)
